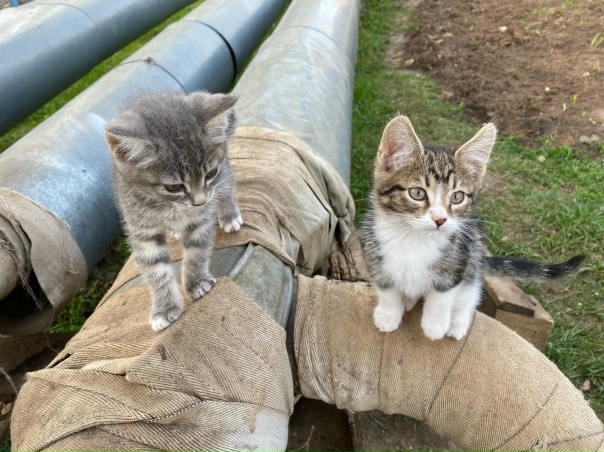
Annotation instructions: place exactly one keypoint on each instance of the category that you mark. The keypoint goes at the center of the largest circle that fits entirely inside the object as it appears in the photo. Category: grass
(552, 210)
(549, 210)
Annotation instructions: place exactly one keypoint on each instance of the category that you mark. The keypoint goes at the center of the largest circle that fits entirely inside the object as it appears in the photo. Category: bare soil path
(536, 67)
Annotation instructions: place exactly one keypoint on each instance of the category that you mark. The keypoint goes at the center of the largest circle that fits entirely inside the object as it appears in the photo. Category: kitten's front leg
(436, 318)
(389, 310)
(229, 215)
(197, 243)
(463, 309)
(152, 255)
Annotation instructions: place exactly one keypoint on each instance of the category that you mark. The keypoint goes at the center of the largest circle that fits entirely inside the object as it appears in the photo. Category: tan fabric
(347, 263)
(218, 379)
(287, 190)
(51, 252)
(490, 391)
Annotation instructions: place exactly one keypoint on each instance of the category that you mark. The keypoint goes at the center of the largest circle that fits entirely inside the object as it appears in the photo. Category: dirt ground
(536, 67)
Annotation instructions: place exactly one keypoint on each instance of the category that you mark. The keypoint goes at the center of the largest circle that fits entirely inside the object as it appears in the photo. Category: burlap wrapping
(43, 244)
(490, 391)
(218, 379)
(287, 190)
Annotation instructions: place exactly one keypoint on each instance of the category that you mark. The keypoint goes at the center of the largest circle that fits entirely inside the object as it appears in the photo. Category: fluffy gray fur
(422, 237)
(172, 174)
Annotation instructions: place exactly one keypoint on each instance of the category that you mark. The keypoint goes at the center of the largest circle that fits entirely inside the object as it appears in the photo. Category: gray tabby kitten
(172, 173)
(422, 237)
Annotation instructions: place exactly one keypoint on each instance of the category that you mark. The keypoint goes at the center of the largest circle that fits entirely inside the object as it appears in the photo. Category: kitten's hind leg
(463, 309)
(389, 311)
(229, 215)
(153, 258)
(197, 243)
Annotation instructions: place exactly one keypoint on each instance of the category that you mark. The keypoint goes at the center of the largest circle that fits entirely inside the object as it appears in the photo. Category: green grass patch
(551, 210)
(547, 204)
(79, 308)
(381, 92)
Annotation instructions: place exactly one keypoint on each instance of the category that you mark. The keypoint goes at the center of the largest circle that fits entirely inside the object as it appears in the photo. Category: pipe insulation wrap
(221, 371)
(64, 166)
(492, 390)
(47, 45)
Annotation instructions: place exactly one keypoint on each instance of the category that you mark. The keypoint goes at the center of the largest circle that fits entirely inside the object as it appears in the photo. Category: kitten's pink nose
(439, 221)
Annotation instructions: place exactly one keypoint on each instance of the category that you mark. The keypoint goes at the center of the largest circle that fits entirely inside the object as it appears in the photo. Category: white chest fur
(407, 256)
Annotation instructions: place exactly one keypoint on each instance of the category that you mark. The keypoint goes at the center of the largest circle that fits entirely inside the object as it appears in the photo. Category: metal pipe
(301, 81)
(47, 45)
(308, 90)
(63, 165)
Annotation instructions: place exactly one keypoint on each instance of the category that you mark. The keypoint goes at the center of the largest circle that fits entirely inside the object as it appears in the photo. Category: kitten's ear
(473, 156)
(134, 151)
(222, 126)
(215, 112)
(398, 144)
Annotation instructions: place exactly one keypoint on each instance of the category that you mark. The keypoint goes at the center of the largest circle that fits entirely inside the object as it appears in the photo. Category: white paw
(459, 328)
(435, 329)
(231, 226)
(163, 319)
(386, 320)
(201, 288)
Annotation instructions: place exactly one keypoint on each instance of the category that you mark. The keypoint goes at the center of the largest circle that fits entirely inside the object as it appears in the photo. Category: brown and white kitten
(422, 237)
(172, 174)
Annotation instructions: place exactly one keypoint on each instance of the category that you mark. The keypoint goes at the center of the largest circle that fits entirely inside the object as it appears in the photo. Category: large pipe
(301, 82)
(47, 45)
(316, 102)
(63, 165)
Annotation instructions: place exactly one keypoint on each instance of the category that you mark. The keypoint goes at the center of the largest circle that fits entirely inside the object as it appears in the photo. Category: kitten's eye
(457, 197)
(174, 188)
(419, 194)
(212, 174)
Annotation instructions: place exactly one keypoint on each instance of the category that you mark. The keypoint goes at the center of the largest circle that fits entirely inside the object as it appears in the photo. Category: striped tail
(519, 269)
